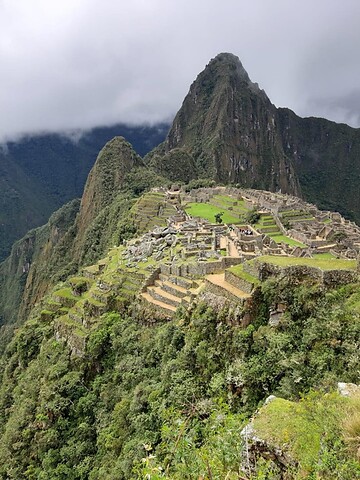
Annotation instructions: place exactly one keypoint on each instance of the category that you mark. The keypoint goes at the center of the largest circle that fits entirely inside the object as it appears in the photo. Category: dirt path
(233, 251)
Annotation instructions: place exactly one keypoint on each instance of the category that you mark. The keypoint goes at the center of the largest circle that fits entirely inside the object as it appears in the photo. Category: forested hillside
(169, 400)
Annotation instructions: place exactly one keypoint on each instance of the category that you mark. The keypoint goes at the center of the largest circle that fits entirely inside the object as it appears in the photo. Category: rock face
(24, 275)
(348, 389)
(326, 158)
(228, 126)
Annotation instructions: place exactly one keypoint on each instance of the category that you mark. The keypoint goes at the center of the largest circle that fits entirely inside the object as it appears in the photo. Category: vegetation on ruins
(208, 212)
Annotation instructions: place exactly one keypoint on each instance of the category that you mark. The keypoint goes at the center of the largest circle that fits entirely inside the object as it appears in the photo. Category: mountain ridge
(185, 156)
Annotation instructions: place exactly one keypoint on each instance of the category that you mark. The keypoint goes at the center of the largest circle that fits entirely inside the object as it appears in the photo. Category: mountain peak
(107, 176)
(226, 62)
(227, 131)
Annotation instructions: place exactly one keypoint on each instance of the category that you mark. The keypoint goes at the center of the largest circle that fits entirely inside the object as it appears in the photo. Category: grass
(77, 280)
(266, 218)
(208, 212)
(65, 293)
(351, 428)
(76, 328)
(95, 302)
(227, 201)
(114, 257)
(50, 302)
(303, 427)
(301, 219)
(322, 263)
(294, 213)
(239, 271)
(92, 269)
(325, 255)
(270, 224)
(354, 302)
(278, 238)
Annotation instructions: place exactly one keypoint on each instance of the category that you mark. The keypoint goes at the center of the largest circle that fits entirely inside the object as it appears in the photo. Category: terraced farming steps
(162, 306)
(170, 291)
(158, 293)
(217, 284)
(152, 210)
(170, 265)
(171, 288)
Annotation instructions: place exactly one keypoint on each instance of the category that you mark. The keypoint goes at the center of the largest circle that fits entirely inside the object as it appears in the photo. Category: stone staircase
(169, 292)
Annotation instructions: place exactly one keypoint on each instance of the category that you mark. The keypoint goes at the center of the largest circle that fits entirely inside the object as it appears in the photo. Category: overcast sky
(80, 63)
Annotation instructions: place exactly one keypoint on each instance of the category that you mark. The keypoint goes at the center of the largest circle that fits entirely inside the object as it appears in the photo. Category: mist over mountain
(38, 174)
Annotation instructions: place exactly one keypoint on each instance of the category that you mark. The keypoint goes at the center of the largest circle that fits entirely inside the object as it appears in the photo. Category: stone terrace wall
(297, 273)
(333, 278)
(199, 268)
(222, 292)
(238, 282)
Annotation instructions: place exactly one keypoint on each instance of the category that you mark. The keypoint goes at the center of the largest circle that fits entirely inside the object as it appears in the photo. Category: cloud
(80, 63)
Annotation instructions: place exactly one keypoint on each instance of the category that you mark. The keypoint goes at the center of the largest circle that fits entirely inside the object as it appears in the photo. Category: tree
(252, 217)
(218, 217)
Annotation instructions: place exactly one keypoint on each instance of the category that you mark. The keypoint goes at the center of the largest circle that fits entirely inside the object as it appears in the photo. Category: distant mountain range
(38, 174)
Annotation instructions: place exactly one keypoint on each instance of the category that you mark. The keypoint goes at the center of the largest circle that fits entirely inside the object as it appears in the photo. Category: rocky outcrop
(348, 389)
(257, 445)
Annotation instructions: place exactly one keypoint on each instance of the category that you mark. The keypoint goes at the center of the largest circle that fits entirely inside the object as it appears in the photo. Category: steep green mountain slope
(35, 258)
(39, 174)
(326, 156)
(79, 233)
(226, 129)
(98, 385)
(178, 394)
